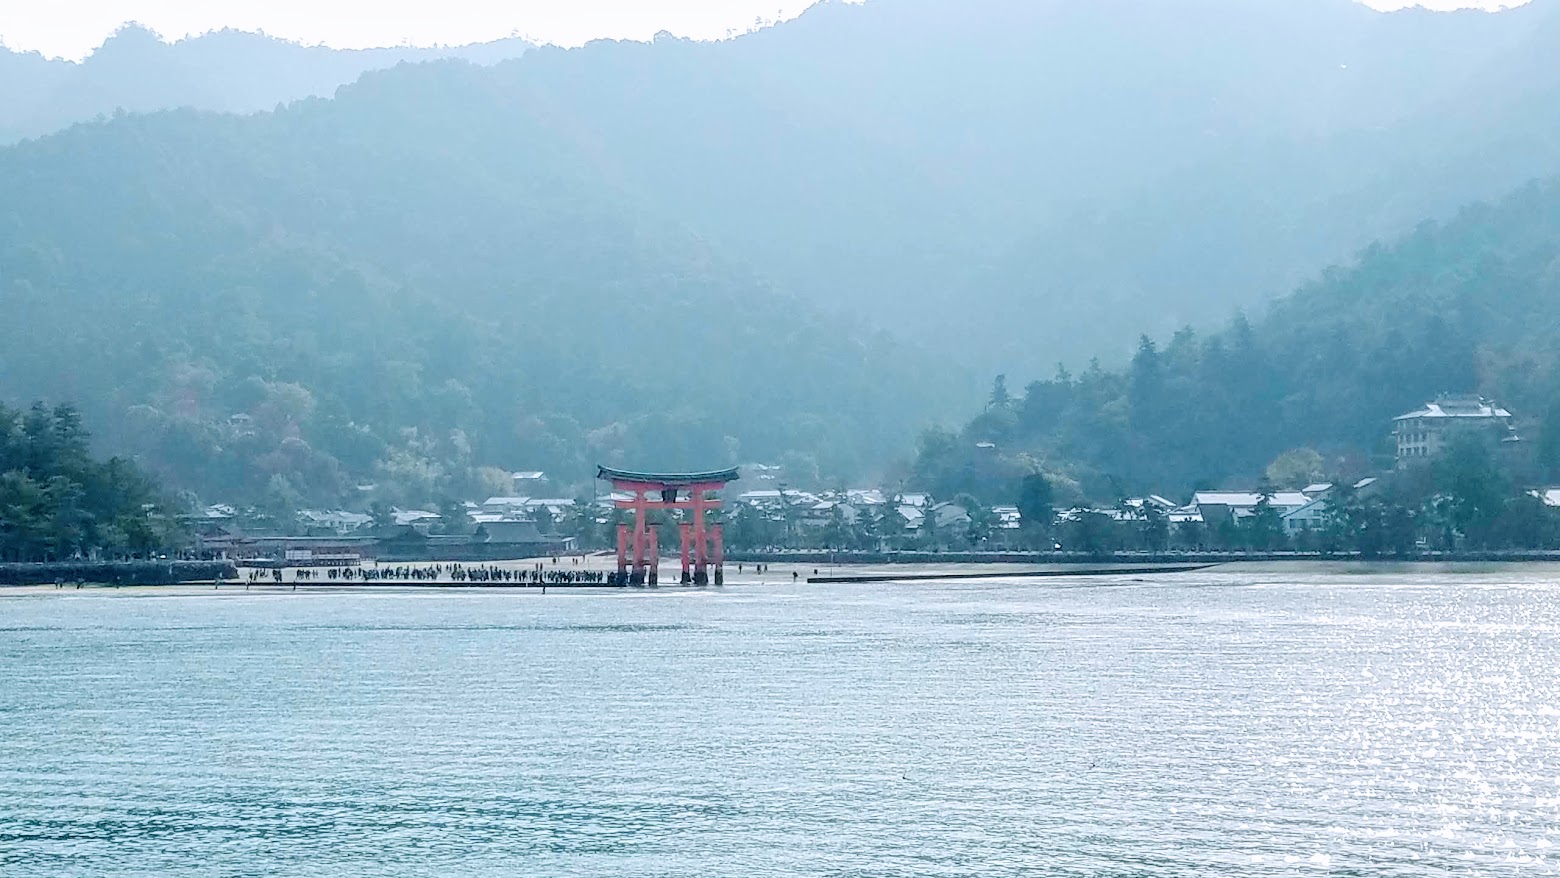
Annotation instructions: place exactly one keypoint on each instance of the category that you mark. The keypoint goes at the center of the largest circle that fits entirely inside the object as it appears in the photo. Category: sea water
(1299, 722)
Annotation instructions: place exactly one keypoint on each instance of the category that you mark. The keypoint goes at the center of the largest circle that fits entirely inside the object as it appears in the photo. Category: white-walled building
(1424, 433)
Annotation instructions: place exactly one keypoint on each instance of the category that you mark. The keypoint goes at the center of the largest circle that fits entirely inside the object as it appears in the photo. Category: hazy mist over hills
(1069, 174)
(226, 71)
(447, 249)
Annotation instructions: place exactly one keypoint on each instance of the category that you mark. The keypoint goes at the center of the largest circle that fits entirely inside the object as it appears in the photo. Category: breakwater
(1007, 574)
(117, 572)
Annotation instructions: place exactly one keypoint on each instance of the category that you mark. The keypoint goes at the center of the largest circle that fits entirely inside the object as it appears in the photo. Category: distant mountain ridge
(1000, 183)
(950, 171)
(225, 71)
(1035, 181)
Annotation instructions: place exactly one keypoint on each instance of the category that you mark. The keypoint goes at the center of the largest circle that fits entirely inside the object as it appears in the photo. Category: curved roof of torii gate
(670, 480)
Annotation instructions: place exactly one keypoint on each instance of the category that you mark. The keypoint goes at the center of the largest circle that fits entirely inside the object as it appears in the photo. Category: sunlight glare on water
(1390, 724)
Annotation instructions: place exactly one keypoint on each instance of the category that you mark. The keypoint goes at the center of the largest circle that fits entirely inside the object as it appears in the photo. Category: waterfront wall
(117, 572)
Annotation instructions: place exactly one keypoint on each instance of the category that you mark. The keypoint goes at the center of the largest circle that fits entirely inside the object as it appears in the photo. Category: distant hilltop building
(529, 482)
(1425, 433)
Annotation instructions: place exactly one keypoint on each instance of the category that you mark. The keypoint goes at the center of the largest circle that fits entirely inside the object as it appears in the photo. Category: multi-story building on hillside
(1425, 433)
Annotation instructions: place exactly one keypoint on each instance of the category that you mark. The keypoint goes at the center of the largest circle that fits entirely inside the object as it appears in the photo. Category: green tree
(930, 536)
(1156, 528)
(1000, 397)
(1035, 508)
(836, 533)
(1088, 532)
(1548, 449)
(453, 518)
(1296, 469)
(57, 502)
(1476, 487)
(869, 527)
(1265, 529)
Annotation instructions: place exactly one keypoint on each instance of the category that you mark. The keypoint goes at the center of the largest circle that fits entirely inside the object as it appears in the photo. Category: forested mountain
(399, 287)
(447, 266)
(1469, 305)
(228, 71)
(1034, 181)
(1027, 180)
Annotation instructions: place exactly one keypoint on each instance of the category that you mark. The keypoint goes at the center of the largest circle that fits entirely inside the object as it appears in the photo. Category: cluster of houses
(499, 528)
(528, 523)
(906, 515)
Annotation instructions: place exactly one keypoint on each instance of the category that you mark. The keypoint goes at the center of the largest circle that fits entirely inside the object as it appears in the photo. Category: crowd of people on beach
(439, 573)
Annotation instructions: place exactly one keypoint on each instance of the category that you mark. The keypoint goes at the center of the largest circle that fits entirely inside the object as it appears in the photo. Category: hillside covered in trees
(401, 288)
(1469, 305)
(1021, 181)
(58, 503)
(798, 244)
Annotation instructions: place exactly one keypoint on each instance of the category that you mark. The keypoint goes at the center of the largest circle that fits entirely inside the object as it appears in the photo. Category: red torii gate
(703, 544)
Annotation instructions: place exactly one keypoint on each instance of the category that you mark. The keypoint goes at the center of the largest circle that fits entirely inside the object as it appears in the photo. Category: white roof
(529, 476)
(411, 516)
(505, 501)
(794, 498)
(1249, 499)
(1318, 488)
(1550, 496)
(338, 517)
(1472, 407)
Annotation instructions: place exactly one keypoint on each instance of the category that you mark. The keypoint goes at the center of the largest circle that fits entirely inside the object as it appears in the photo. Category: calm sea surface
(1269, 723)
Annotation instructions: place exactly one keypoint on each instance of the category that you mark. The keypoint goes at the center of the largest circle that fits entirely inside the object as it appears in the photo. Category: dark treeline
(1469, 306)
(57, 503)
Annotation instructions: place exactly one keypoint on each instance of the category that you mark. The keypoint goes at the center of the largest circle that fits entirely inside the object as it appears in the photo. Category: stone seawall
(117, 572)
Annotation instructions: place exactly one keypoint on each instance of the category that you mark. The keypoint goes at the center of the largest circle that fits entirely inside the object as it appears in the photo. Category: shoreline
(815, 557)
(793, 573)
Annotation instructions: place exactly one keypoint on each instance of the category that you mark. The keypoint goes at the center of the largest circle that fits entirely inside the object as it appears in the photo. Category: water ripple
(1219, 724)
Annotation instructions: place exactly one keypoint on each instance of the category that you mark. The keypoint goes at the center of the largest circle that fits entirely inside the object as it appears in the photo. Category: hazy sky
(72, 28)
